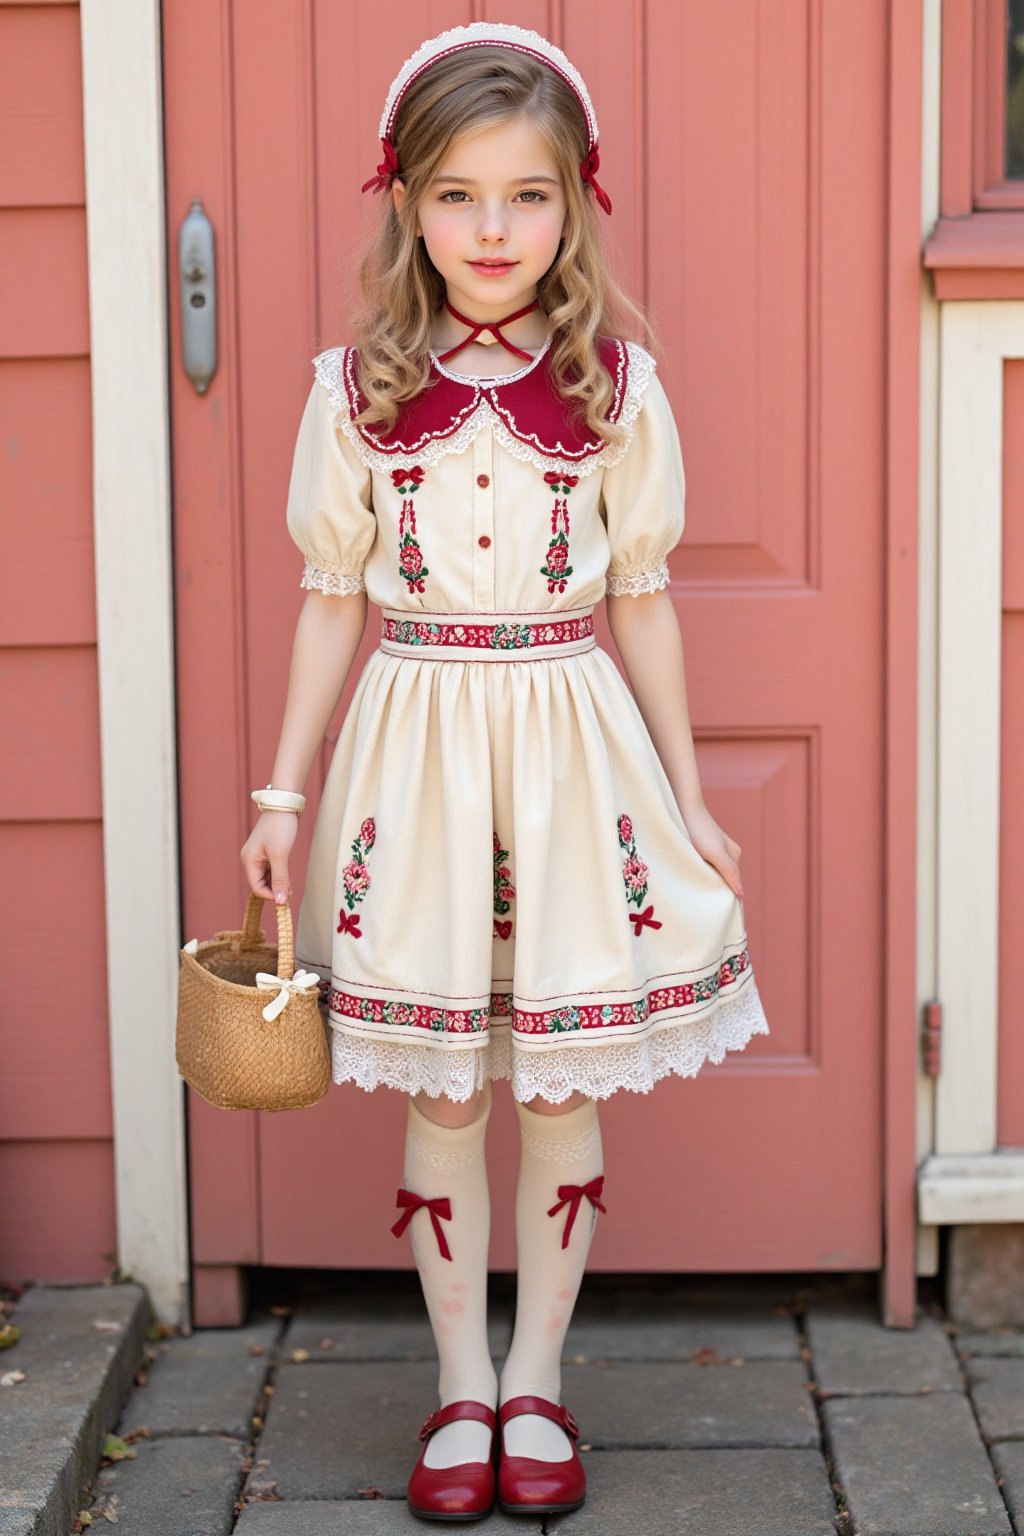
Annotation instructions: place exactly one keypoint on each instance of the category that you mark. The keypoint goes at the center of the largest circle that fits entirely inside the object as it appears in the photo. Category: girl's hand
(265, 854)
(715, 845)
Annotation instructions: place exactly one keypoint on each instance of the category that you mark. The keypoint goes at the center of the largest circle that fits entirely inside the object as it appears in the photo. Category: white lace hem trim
(329, 368)
(648, 578)
(681, 1047)
(326, 578)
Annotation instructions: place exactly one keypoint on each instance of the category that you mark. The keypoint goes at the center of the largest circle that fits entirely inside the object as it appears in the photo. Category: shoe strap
(465, 1408)
(542, 1405)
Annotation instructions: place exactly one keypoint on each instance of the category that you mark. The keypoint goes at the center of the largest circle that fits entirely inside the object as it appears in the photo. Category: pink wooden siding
(56, 1154)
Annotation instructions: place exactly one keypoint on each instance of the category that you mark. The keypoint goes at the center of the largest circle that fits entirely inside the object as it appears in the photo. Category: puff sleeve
(643, 499)
(330, 514)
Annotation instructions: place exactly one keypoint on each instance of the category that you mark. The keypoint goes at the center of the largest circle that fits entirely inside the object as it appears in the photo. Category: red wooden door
(746, 153)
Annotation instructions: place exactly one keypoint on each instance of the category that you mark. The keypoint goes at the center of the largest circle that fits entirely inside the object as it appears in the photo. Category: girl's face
(493, 217)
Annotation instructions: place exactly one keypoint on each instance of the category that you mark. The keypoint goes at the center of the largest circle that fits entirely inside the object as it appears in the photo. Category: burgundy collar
(528, 405)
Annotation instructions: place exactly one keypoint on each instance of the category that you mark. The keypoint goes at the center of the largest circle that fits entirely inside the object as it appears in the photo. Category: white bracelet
(269, 799)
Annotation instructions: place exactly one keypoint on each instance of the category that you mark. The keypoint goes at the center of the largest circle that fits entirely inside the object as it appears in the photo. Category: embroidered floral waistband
(487, 636)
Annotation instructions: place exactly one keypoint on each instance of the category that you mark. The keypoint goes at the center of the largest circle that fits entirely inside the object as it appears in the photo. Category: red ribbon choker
(476, 326)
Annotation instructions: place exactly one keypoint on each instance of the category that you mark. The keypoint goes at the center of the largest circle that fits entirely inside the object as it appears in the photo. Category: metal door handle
(197, 279)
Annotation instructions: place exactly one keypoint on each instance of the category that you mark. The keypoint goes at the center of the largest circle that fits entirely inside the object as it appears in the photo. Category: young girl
(513, 873)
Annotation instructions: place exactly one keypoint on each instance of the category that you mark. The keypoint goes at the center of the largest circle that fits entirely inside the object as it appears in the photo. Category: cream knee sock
(556, 1149)
(450, 1161)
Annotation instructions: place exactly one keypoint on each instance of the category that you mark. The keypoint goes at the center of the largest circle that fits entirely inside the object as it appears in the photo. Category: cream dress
(500, 881)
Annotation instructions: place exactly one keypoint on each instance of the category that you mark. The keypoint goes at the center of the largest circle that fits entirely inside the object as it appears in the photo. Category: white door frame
(968, 1177)
(125, 201)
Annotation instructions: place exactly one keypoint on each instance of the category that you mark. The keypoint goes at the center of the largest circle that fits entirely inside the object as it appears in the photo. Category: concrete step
(79, 1348)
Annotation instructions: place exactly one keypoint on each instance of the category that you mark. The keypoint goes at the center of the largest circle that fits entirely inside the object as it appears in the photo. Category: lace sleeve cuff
(647, 578)
(325, 578)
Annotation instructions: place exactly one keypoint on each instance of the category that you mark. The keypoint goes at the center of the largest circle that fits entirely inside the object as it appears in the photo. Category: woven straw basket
(226, 1046)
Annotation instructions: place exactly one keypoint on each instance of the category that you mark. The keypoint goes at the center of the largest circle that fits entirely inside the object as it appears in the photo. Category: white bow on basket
(302, 981)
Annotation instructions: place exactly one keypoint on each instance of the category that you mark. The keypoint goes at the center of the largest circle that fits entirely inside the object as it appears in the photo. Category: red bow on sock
(571, 1195)
(440, 1206)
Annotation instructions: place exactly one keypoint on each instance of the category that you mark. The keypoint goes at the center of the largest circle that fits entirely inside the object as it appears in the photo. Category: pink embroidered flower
(634, 872)
(504, 891)
(558, 558)
(634, 875)
(411, 560)
(357, 879)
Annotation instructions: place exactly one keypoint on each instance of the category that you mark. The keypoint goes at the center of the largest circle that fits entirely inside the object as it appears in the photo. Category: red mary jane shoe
(529, 1486)
(462, 1492)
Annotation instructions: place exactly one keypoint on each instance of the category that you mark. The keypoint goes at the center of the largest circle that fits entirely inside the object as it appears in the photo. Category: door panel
(744, 148)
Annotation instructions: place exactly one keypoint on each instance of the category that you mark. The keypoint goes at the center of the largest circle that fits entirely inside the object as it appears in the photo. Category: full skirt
(501, 884)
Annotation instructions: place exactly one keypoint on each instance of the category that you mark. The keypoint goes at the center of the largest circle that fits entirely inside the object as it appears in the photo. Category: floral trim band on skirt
(511, 636)
(391, 1015)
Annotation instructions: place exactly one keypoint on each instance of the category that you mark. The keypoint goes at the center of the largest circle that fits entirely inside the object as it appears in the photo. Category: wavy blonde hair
(402, 290)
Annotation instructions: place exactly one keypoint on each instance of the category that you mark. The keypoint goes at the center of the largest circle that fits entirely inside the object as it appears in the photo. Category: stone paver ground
(717, 1406)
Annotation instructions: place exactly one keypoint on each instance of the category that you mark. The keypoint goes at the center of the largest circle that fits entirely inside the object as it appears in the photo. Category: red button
(483, 541)
(483, 481)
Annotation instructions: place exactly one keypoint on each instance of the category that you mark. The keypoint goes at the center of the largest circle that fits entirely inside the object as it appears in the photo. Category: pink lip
(492, 266)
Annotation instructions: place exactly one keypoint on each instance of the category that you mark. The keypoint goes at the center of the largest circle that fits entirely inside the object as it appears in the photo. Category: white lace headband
(494, 34)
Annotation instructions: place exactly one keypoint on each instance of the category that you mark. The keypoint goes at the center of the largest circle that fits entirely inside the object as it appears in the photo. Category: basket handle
(253, 935)
(252, 927)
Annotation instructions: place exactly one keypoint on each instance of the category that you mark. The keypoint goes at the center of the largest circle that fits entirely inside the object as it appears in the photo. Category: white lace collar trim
(491, 380)
(488, 411)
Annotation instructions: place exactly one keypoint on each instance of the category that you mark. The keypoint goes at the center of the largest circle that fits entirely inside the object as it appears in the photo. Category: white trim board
(976, 337)
(969, 1189)
(125, 200)
(927, 1260)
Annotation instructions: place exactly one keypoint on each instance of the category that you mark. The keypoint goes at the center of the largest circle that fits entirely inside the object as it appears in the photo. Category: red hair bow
(386, 171)
(588, 168)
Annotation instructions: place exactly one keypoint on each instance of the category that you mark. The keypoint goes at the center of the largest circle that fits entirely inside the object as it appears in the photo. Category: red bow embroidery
(552, 478)
(640, 918)
(503, 929)
(349, 923)
(414, 475)
(571, 1195)
(587, 170)
(386, 171)
(441, 1206)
